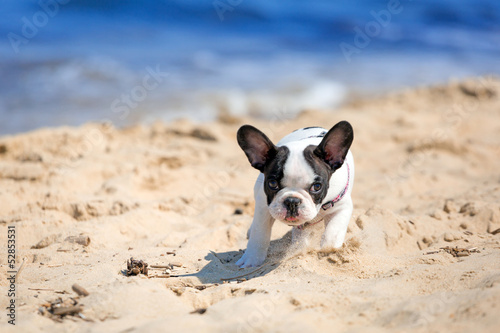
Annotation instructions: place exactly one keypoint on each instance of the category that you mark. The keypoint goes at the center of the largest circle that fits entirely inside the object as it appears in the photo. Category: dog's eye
(316, 187)
(273, 184)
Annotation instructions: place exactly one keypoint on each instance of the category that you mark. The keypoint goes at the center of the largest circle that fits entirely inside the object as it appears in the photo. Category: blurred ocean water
(72, 61)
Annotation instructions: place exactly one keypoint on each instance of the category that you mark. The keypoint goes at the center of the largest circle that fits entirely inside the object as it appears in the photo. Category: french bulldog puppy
(305, 178)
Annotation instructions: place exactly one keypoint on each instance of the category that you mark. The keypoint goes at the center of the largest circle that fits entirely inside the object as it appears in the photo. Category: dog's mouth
(292, 220)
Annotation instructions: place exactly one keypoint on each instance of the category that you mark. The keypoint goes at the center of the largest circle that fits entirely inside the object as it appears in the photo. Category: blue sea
(67, 62)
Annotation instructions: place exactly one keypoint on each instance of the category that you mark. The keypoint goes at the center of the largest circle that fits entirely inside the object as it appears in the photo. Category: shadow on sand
(222, 265)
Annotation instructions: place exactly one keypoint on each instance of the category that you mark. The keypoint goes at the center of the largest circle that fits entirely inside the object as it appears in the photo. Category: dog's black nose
(292, 205)
(292, 201)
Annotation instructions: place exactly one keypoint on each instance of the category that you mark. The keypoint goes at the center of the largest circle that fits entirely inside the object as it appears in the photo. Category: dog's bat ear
(335, 145)
(256, 145)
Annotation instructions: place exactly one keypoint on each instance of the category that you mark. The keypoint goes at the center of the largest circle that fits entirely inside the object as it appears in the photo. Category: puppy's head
(297, 175)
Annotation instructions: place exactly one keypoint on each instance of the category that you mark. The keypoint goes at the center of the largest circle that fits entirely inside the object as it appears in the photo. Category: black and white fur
(305, 170)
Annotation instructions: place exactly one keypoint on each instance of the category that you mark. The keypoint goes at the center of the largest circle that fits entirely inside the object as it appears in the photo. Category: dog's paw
(248, 260)
(331, 243)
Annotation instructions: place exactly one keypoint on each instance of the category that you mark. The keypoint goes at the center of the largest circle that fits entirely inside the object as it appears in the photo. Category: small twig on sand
(160, 276)
(170, 265)
(41, 289)
(20, 270)
(460, 252)
(160, 266)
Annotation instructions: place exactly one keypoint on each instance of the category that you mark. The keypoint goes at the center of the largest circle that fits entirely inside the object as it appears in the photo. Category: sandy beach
(422, 252)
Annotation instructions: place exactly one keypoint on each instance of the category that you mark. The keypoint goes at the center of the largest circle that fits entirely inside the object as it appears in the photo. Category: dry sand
(427, 177)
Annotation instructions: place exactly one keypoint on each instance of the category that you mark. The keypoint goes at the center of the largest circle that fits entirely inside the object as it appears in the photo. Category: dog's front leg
(336, 225)
(260, 236)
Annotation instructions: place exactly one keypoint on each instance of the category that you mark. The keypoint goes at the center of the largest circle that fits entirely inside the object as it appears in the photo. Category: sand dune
(427, 177)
